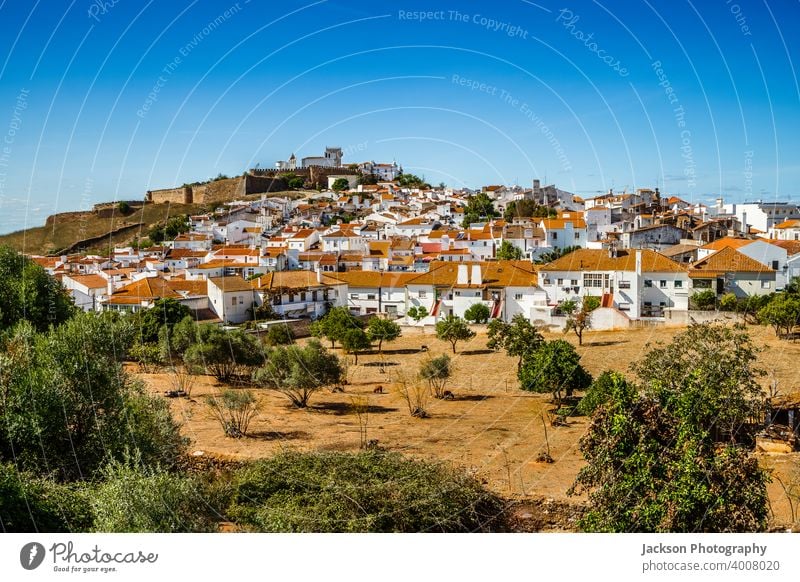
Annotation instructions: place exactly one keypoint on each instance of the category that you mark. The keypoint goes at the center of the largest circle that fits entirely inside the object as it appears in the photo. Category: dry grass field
(491, 427)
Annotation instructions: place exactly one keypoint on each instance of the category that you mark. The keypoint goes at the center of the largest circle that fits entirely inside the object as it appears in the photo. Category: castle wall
(182, 195)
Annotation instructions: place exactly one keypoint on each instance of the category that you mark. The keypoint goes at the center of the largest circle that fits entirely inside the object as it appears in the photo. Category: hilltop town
(376, 240)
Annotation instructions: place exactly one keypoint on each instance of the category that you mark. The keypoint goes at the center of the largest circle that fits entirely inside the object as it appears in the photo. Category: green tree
(225, 354)
(417, 312)
(382, 330)
(527, 209)
(518, 338)
(411, 181)
(436, 372)
(652, 468)
(165, 312)
(124, 208)
(782, 313)
(712, 365)
(68, 405)
(477, 313)
(354, 341)
(340, 184)
(508, 252)
(579, 320)
(28, 293)
(280, 335)
(478, 209)
(299, 371)
(335, 324)
(555, 368)
(453, 329)
(599, 392)
(555, 254)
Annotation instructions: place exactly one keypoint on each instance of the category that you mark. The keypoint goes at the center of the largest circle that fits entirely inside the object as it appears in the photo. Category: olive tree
(299, 371)
(453, 329)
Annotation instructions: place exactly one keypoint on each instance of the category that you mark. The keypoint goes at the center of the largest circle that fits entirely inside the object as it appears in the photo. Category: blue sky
(102, 101)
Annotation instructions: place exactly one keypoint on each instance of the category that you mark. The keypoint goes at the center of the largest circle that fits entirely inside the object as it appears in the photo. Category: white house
(762, 250)
(640, 283)
(231, 298)
(376, 292)
(299, 293)
(87, 290)
(564, 232)
(730, 271)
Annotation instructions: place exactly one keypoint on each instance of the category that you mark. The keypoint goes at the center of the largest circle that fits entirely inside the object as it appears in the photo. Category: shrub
(123, 208)
(436, 372)
(703, 300)
(280, 335)
(369, 491)
(133, 499)
(148, 356)
(30, 504)
(234, 409)
(729, 302)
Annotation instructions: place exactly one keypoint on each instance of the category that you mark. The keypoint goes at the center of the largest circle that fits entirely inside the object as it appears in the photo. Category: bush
(598, 392)
(234, 409)
(280, 335)
(360, 492)
(148, 356)
(132, 499)
(704, 300)
(123, 208)
(729, 302)
(436, 372)
(29, 504)
(68, 404)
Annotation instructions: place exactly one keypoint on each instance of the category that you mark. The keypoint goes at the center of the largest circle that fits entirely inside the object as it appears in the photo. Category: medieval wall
(182, 195)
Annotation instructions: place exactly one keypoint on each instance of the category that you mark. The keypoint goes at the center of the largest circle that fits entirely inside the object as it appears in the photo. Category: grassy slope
(67, 229)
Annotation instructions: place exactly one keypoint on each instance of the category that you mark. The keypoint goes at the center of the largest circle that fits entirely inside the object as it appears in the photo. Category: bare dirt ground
(491, 427)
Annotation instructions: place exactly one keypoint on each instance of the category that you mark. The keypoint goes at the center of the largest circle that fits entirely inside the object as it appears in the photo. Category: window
(423, 294)
(233, 301)
(648, 283)
(774, 265)
(517, 296)
(573, 282)
(371, 296)
(678, 284)
(353, 295)
(559, 281)
(593, 279)
(766, 284)
(662, 284)
(241, 300)
(457, 293)
(577, 236)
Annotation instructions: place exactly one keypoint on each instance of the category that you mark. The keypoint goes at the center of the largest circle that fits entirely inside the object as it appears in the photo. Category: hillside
(66, 229)
(104, 227)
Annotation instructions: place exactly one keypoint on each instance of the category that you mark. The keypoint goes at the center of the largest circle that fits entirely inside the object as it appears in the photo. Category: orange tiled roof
(599, 260)
(727, 260)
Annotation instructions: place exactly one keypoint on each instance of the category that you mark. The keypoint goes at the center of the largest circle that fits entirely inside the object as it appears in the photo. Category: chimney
(319, 274)
(110, 285)
(477, 279)
(638, 263)
(463, 275)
